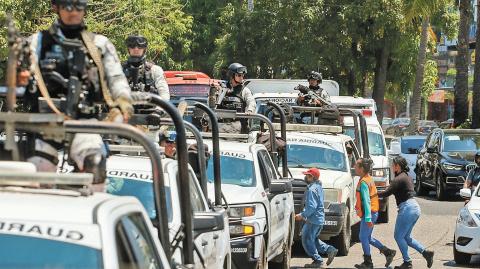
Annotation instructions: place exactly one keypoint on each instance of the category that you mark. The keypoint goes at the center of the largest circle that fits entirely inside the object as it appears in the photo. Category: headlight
(381, 172)
(241, 230)
(333, 195)
(465, 218)
(452, 166)
(240, 212)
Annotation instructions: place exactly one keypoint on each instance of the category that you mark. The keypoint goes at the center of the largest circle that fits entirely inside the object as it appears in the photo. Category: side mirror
(280, 186)
(431, 150)
(208, 222)
(466, 193)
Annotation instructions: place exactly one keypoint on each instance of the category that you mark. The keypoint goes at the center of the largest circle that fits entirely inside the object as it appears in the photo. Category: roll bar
(183, 175)
(283, 132)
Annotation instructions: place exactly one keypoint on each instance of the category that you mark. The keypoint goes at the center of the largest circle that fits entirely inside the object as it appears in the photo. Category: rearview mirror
(280, 186)
(208, 222)
(466, 193)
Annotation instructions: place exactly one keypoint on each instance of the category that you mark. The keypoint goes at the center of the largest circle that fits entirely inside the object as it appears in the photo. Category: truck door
(277, 202)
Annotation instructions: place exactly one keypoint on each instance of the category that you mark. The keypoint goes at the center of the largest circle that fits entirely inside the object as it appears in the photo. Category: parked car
(443, 163)
(467, 230)
(386, 122)
(426, 126)
(398, 126)
(408, 147)
(448, 124)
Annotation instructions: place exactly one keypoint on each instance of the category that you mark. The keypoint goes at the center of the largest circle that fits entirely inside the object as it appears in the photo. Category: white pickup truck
(324, 147)
(261, 208)
(70, 226)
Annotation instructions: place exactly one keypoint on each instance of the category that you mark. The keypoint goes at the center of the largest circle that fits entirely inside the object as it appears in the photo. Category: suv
(261, 209)
(326, 150)
(69, 226)
(445, 160)
(136, 180)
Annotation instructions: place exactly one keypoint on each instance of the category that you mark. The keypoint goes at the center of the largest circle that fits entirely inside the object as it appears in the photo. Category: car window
(134, 241)
(29, 252)
(198, 204)
(328, 158)
(353, 157)
(412, 146)
(265, 168)
(376, 142)
(234, 171)
(461, 142)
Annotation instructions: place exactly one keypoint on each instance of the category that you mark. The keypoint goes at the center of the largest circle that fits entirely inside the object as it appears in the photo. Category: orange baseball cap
(313, 171)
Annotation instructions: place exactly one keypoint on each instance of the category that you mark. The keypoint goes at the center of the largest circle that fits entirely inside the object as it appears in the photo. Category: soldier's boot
(366, 264)
(428, 255)
(405, 265)
(97, 165)
(389, 255)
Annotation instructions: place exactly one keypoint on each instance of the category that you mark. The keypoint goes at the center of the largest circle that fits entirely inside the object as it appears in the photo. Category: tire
(384, 216)
(440, 187)
(286, 256)
(343, 240)
(460, 257)
(262, 260)
(419, 188)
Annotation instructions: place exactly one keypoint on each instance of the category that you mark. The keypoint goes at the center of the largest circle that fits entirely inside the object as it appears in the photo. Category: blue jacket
(314, 212)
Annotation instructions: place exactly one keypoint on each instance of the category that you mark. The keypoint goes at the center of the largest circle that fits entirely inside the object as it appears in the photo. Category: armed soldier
(76, 74)
(309, 96)
(236, 96)
(143, 75)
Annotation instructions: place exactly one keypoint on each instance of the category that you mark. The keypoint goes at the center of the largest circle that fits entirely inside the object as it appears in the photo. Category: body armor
(140, 77)
(233, 100)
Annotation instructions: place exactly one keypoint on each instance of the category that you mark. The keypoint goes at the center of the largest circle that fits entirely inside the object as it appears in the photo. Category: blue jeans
(366, 235)
(408, 214)
(311, 243)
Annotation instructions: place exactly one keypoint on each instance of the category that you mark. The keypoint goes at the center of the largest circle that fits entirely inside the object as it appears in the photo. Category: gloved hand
(126, 107)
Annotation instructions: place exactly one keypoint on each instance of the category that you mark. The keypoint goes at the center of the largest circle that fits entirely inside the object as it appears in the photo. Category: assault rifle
(310, 96)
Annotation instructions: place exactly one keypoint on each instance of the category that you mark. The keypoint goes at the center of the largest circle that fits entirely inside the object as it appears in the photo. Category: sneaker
(428, 255)
(314, 264)
(405, 265)
(332, 253)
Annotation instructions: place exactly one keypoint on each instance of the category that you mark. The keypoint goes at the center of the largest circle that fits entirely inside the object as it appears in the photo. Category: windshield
(142, 190)
(387, 121)
(461, 142)
(401, 121)
(412, 146)
(302, 156)
(427, 123)
(189, 90)
(30, 252)
(235, 171)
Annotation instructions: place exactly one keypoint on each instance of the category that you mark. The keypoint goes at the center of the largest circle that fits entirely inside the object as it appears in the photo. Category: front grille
(469, 167)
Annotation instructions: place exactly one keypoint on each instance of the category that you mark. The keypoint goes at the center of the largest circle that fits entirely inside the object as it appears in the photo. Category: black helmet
(315, 75)
(138, 41)
(236, 68)
(79, 4)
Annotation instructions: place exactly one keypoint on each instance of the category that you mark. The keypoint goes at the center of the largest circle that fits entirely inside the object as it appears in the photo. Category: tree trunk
(380, 79)
(416, 100)
(476, 79)
(351, 82)
(460, 114)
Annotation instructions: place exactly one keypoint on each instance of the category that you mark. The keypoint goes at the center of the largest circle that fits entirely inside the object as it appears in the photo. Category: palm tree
(423, 10)
(476, 79)
(461, 80)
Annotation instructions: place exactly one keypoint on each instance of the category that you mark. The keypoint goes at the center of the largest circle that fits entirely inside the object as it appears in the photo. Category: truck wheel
(285, 258)
(383, 216)
(460, 257)
(342, 241)
(419, 188)
(262, 260)
(440, 187)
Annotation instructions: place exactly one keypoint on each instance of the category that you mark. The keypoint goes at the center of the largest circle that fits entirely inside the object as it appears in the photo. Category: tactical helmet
(316, 76)
(138, 41)
(236, 68)
(78, 4)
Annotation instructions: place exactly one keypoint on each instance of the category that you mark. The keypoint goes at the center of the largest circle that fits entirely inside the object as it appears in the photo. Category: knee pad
(97, 165)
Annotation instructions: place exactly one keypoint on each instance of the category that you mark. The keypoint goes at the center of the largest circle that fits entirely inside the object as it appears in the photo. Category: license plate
(330, 223)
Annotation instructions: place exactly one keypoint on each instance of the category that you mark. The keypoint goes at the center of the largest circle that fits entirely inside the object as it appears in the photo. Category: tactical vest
(233, 100)
(140, 78)
(372, 190)
(66, 65)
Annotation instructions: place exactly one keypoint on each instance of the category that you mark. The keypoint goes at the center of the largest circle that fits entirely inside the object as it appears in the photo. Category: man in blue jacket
(314, 216)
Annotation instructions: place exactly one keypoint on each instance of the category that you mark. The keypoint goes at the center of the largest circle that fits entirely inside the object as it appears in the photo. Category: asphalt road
(434, 229)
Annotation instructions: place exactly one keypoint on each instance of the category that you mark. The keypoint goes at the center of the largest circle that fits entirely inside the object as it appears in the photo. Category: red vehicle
(188, 84)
